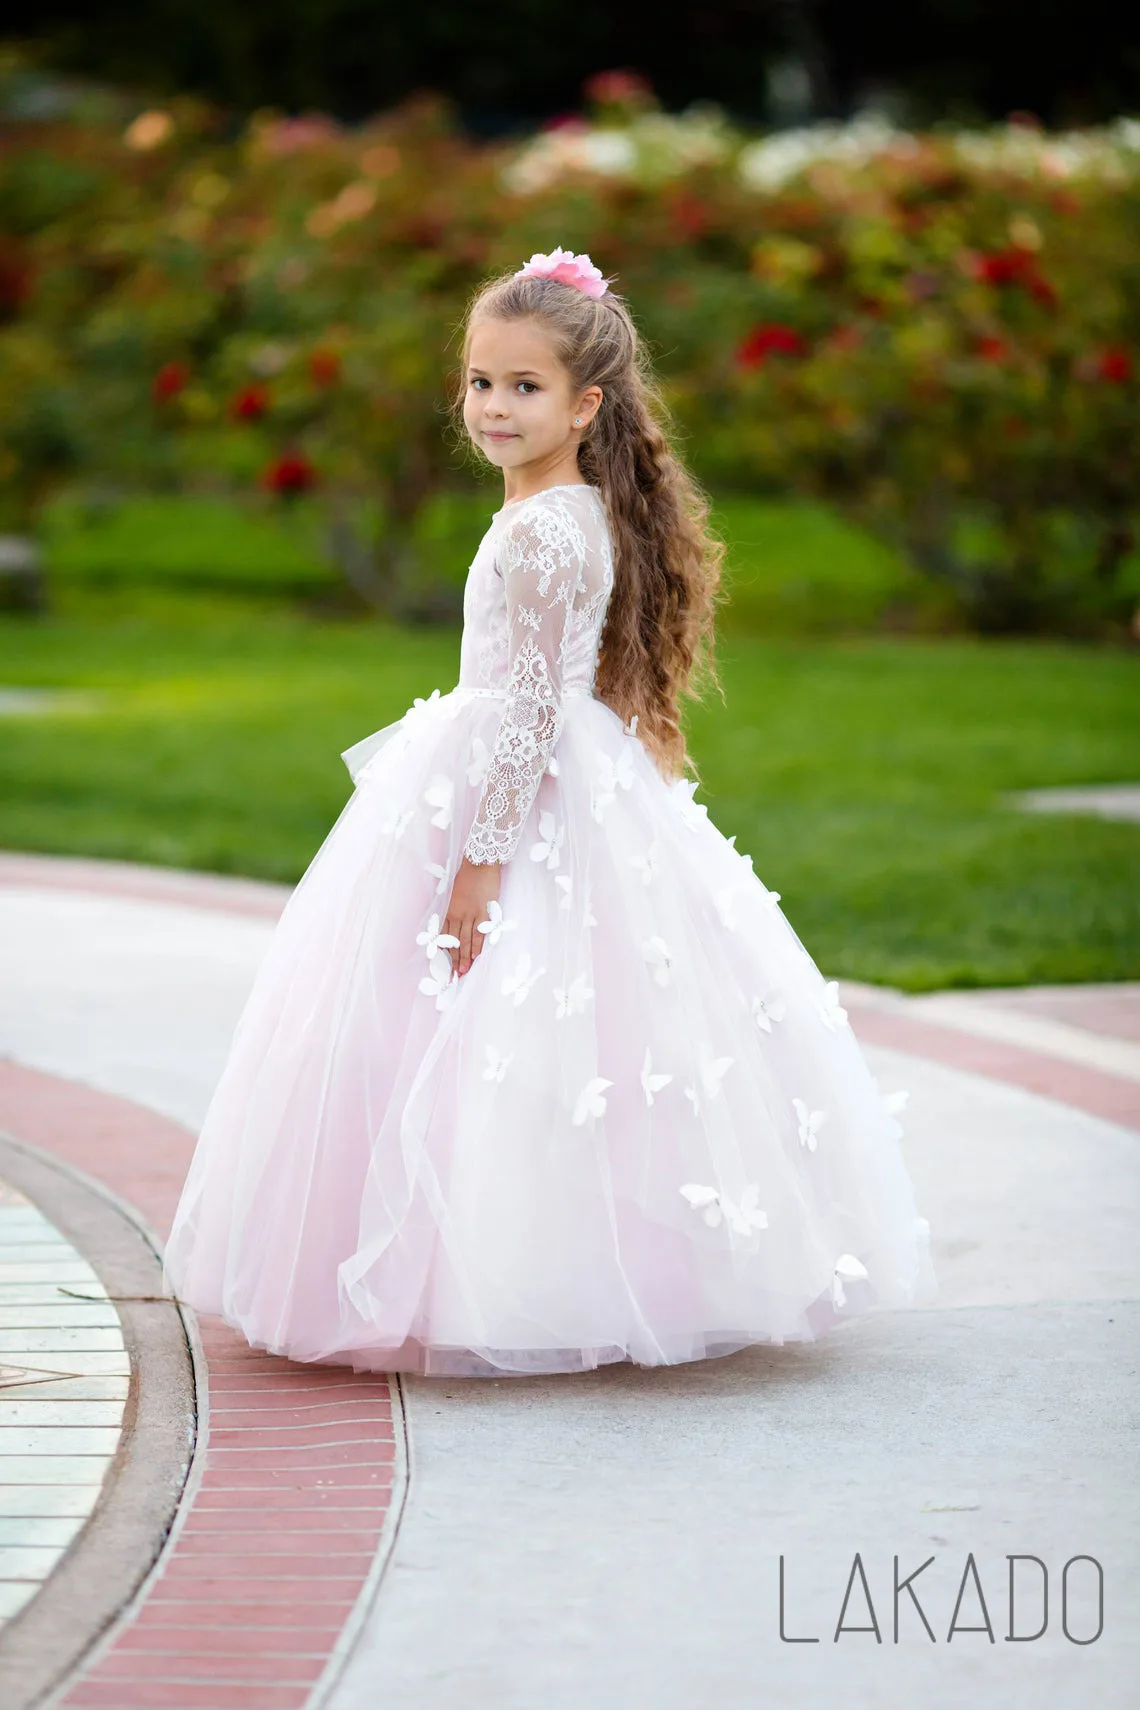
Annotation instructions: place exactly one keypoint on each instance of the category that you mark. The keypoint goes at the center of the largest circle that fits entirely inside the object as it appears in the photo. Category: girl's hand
(476, 884)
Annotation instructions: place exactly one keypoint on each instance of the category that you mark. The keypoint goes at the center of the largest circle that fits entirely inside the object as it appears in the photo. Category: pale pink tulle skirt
(495, 1177)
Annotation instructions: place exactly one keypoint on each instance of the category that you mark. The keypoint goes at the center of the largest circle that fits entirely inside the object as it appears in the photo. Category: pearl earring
(577, 421)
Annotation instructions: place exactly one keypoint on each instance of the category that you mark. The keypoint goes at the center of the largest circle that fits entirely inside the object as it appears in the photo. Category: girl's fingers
(465, 932)
(451, 930)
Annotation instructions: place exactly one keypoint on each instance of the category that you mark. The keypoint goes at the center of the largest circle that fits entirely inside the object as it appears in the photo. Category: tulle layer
(639, 1128)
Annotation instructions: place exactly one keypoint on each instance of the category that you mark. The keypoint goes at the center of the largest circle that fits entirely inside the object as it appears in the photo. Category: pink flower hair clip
(568, 269)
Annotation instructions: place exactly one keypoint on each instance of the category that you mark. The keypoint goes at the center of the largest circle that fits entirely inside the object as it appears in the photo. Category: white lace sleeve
(541, 556)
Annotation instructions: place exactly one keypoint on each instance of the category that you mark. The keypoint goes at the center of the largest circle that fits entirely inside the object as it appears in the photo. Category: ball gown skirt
(639, 1128)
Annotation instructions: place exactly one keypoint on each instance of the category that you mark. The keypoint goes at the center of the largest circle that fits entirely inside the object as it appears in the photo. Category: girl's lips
(489, 433)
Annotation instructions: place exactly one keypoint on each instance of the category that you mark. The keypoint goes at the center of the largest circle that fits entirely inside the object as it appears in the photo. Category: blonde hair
(658, 640)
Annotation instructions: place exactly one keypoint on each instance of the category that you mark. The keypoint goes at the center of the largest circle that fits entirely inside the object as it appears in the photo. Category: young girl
(535, 1074)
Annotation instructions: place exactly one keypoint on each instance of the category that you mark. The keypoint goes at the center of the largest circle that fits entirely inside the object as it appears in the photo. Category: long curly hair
(658, 642)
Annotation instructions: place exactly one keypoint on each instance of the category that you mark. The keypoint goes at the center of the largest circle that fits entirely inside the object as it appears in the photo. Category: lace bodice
(533, 610)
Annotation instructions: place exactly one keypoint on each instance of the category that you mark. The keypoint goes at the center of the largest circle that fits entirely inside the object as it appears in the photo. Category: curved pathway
(614, 1537)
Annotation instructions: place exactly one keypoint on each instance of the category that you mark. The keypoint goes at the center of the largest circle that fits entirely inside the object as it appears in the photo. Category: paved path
(616, 1537)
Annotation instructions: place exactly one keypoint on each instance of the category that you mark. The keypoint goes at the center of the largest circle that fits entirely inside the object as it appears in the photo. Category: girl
(535, 1074)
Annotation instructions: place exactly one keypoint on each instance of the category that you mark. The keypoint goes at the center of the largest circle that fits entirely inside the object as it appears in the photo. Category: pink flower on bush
(616, 88)
(771, 338)
(172, 378)
(568, 269)
(289, 474)
(250, 404)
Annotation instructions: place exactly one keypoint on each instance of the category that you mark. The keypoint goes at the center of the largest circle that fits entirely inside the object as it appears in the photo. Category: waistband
(501, 694)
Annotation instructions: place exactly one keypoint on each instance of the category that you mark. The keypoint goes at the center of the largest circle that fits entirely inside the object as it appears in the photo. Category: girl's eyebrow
(515, 373)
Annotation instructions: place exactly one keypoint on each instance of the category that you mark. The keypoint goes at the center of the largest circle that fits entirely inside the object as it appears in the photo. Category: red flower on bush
(991, 348)
(690, 216)
(1015, 266)
(324, 367)
(1038, 286)
(15, 282)
(1006, 266)
(771, 338)
(1115, 365)
(846, 337)
(289, 474)
(172, 378)
(250, 404)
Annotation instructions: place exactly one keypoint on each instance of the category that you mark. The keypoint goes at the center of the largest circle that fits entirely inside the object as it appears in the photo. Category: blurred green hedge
(935, 335)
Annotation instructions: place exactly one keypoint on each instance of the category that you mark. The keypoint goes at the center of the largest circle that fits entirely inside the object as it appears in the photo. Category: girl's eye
(479, 382)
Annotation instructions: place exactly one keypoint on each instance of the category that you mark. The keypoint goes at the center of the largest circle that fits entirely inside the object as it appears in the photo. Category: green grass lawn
(861, 773)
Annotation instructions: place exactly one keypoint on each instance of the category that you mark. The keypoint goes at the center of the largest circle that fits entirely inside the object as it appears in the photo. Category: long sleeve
(541, 555)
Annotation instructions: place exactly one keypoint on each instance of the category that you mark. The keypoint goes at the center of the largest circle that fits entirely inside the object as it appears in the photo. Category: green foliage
(937, 335)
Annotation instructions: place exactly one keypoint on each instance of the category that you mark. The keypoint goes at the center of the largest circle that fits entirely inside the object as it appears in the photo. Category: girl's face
(519, 407)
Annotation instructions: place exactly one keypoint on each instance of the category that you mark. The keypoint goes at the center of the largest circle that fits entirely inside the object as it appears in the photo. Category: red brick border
(295, 1487)
(1091, 1090)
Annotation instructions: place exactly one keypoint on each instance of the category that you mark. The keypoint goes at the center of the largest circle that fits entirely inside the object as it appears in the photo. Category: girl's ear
(588, 406)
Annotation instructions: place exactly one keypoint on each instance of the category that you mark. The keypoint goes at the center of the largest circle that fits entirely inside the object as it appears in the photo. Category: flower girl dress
(639, 1128)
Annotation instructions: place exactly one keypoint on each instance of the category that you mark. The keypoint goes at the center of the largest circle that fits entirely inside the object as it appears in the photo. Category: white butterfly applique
(617, 774)
(396, 822)
(810, 1123)
(442, 982)
(439, 795)
(847, 1265)
(572, 999)
(631, 728)
(566, 886)
(549, 846)
(477, 770)
(660, 958)
(711, 1072)
(650, 1082)
(612, 776)
(496, 923)
(712, 1069)
(714, 1207)
(591, 1100)
(521, 981)
(419, 707)
(725, 900)
(646, 864)
(433, 939)
(553, 767)
(767, 1010)
(767, 897)
(496, 1064)
(438, 871)
(691, 812)
(831, 1011)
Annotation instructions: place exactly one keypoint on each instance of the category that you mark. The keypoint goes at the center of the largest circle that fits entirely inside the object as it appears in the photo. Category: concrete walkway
(617, 1538)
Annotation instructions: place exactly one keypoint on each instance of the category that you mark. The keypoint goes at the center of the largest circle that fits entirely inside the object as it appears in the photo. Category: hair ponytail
(658, 639)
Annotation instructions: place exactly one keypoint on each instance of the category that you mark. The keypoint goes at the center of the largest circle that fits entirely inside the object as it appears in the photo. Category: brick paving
(297, 1471)
(300, 1472)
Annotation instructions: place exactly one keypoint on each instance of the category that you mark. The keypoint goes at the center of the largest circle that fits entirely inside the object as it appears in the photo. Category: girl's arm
(541, 556)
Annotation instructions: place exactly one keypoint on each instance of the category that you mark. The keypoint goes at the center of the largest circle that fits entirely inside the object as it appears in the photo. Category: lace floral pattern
(557, 573)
